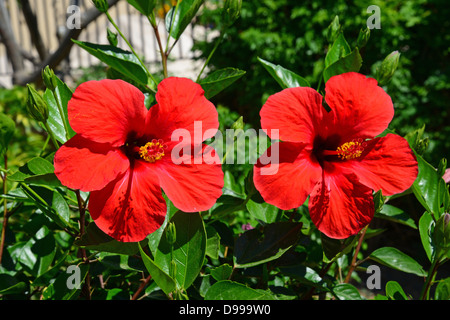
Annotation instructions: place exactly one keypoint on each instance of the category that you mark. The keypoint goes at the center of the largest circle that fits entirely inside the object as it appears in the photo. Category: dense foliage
(242, 247)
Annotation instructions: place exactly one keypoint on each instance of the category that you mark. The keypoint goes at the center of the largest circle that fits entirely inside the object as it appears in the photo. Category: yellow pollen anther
(351, 150)
(153, 150)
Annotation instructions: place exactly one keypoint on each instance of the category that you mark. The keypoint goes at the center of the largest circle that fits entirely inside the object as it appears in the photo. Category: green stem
(45, 145)
(52, 136)
(5, 211)
(38, 197)
(430, 279)
(222, 35)
(130, 46)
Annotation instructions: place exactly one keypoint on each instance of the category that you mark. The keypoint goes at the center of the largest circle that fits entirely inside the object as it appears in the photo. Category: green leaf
(348, 63)
(429, 187)
(96, 240)
(162, 279)
(122, 61)
(229, 290)
(143, 6)
(180, 16)
(443, 290)
(187, 252)
(304, 275)
(7, 128)
(212, 242)
(22, 254)
(395, 214)
(256, 246)
(262, 211)
(426, 225)
(339, 49)
(120, 262)
(394, 291)
(397, 260)
(284, 77)
(218, 80)
(54, 120)
(51, 202)
(35, 255)
(10, 285)
(44, 247)
(222, 272)
(346, 291)
(45, 278)
(36, 171)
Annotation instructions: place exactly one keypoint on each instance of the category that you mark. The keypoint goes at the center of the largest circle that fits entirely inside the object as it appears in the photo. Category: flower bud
(363, 37)
(49, 78)
(441, 235)
(171, 233)
(101, 5)
(387, 68)
(442, 167)
(231, 11)
(112, 38)
(238, 124)
(36, 105)
(333, 30)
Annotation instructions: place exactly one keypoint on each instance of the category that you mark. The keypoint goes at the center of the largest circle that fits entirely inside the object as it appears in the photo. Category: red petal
(286, 183)
(191, 182)
(295, 112)
(130, 207)
(340, 206)
(107, 111)
(387, 163)
(86, 165)
(361, 108)
(181, 103)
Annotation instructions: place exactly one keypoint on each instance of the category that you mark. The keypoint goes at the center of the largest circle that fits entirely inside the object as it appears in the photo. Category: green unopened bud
(238, 124)
(36, 105)
(333, 30)
(363, 37)
(231, 11)
(442, 167)
(441, 235)
(112, 37)
(387, 68)
(173, 269)
(171, 233)
(49, 78)
(101, 5)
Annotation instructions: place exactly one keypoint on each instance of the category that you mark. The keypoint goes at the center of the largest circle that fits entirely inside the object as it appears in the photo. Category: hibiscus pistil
(348, 150)
(351, 150)
(153, 150)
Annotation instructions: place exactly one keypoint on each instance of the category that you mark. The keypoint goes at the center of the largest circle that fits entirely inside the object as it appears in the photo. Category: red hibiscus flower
(122, 154)
(333, 156)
